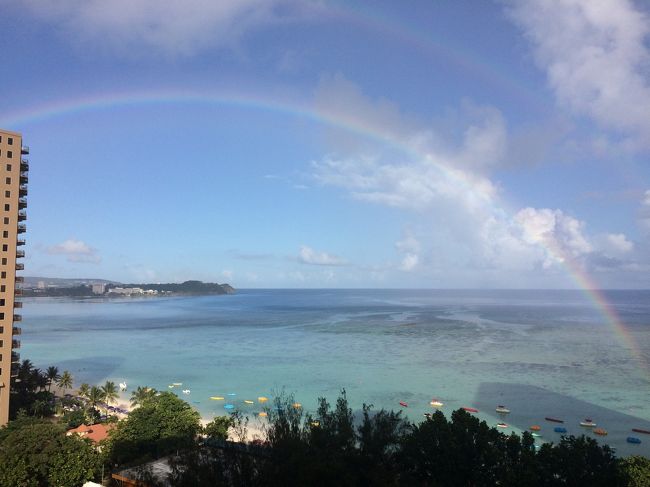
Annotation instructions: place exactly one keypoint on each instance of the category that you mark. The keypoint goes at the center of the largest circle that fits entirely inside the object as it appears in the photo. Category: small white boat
(436, 404)
(122, 386)
(186, 391)
(502, 410)
(588, 424)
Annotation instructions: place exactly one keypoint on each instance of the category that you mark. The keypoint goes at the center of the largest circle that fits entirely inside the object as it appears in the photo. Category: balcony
(22, 190)
(20, 254)
(20, 267)
(22, 203)
(24, 150)
(20, 241)
(15, 344)
(14, 371)
(22, 228)
(18, 318)
(15, 357)
(24, 165)
(23, 178)
(18, 304)
(20, 279)
(16, 330)
(22, 216)
(18, 292)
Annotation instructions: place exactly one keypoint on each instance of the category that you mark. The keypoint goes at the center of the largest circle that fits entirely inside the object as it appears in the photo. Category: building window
(8, 180)
(3, 288)
(4, 262)
(5, 234)
(8, 167)
(7, 194)
(6, 220)
(9, 154)
(7, 207)
(2, 302)
(3, 275)
(10, 140)
(5, 247)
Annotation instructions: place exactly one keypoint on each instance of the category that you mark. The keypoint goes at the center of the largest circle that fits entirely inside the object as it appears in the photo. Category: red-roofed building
(95, 432)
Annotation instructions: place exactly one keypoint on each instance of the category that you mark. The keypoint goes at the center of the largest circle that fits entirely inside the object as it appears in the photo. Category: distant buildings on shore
(128, 291)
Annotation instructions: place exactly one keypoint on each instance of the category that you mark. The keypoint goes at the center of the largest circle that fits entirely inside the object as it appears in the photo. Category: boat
(427, 415)
(216, 398)
(502, 425)
(297, 405)
(436, 404)
(247, 401)
(228, 406)
(639, 430)
(262, 414)
(502, 410)
(633, 439)
(177, 384)
(262, 399)
(122, 386)
(559, 429)
(470, 410)
(588, 423)
(171, 386)
(600, 431)
(535, 427)
(536, 435)
(403, 404)
(554, 420)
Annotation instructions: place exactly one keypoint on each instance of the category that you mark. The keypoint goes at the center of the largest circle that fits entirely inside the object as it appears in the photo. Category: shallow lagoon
(542, 353)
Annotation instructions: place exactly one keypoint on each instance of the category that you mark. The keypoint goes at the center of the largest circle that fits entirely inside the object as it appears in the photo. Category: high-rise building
(13, 173)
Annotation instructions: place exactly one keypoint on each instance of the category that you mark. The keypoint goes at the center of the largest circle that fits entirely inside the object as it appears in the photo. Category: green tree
(162, 424)
(52, 374)
(109, 392)
(35, 453)
(142, 394)
(84, 389)
(65, 381)
(636, 471)
(95, 395)
(217, 429)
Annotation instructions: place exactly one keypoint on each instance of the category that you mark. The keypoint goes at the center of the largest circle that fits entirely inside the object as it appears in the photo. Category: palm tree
(52, 374)
(94, 395)
(142, 394)
(65, 381)
(39, 379)
(110, 392)
(84, 389)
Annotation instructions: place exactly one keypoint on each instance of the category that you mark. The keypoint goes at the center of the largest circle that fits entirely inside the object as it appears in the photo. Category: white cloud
(170, 26)
(410, 247)
(310, 256)
(596, 59)
(619, 243)
(644, 213)
(227, 274)
(75, 251)
(409, 262)
(559, 234)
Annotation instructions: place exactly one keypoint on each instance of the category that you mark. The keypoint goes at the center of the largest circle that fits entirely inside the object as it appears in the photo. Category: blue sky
(289, 143)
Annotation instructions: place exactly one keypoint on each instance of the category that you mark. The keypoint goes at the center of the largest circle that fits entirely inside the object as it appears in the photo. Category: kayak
(600, 431)
(229, 406)
(559, 429)
(633, 439)
(247, 401)
(262, 399)
(403, 404)
(262, 414)
(297, 405)
(535, 427)
(470, 410)
(554, 420)
(639, 430)
(502, 425)
(216, 398)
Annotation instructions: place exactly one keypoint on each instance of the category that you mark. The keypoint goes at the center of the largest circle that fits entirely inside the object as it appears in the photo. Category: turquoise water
(541, 353)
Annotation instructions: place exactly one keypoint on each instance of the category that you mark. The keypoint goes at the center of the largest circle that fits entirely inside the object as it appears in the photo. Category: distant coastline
(103, 288)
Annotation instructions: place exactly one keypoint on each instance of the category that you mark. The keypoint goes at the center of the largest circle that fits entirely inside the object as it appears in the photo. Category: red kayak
(641, 431)
(470, 410)
(403, 404)
(554, 420)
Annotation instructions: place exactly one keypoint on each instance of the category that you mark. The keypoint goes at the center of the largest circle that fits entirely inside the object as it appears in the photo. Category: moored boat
(297, 405)
(633, 439)
(600, 431)
(588, 423)
(248, 401)
(403, 404)
(229, 406)
(436, 404)
(536, 435)
(502, 409)
(554, 420)
(262, 414)
(502, 425)
(559, 429)
(535, 427)
(639, 430)
(470, 410)
(216, 398)
(262, 399)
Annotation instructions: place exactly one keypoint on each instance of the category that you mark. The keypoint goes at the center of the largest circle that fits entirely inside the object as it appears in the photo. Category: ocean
(540, 353)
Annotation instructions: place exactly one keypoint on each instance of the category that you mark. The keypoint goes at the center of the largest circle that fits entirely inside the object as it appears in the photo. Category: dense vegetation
(74, 291)
(331, 447)
(187, 287)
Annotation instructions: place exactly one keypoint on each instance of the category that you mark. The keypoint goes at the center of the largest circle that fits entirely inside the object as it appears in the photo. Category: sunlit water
(540, 353)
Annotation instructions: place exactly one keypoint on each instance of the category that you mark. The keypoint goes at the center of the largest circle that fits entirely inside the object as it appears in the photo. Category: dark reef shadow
(531, 404)
(93, 370)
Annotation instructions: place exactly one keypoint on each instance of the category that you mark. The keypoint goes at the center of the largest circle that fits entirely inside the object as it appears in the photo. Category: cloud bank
(75, 251)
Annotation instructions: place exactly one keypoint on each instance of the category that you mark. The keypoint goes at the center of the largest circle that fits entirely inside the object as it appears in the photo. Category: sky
(318, 144)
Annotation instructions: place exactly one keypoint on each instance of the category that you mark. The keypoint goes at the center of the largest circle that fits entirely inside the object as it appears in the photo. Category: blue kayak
(633, 439)
(229, 406)
(559, 429)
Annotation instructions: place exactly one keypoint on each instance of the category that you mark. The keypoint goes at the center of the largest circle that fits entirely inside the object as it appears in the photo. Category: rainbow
(20, 119)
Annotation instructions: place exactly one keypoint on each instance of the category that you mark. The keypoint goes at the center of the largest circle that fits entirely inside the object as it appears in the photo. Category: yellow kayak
(262, 399)
(262, 414)
(216, 398)
(297, 405)
(248, 401)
